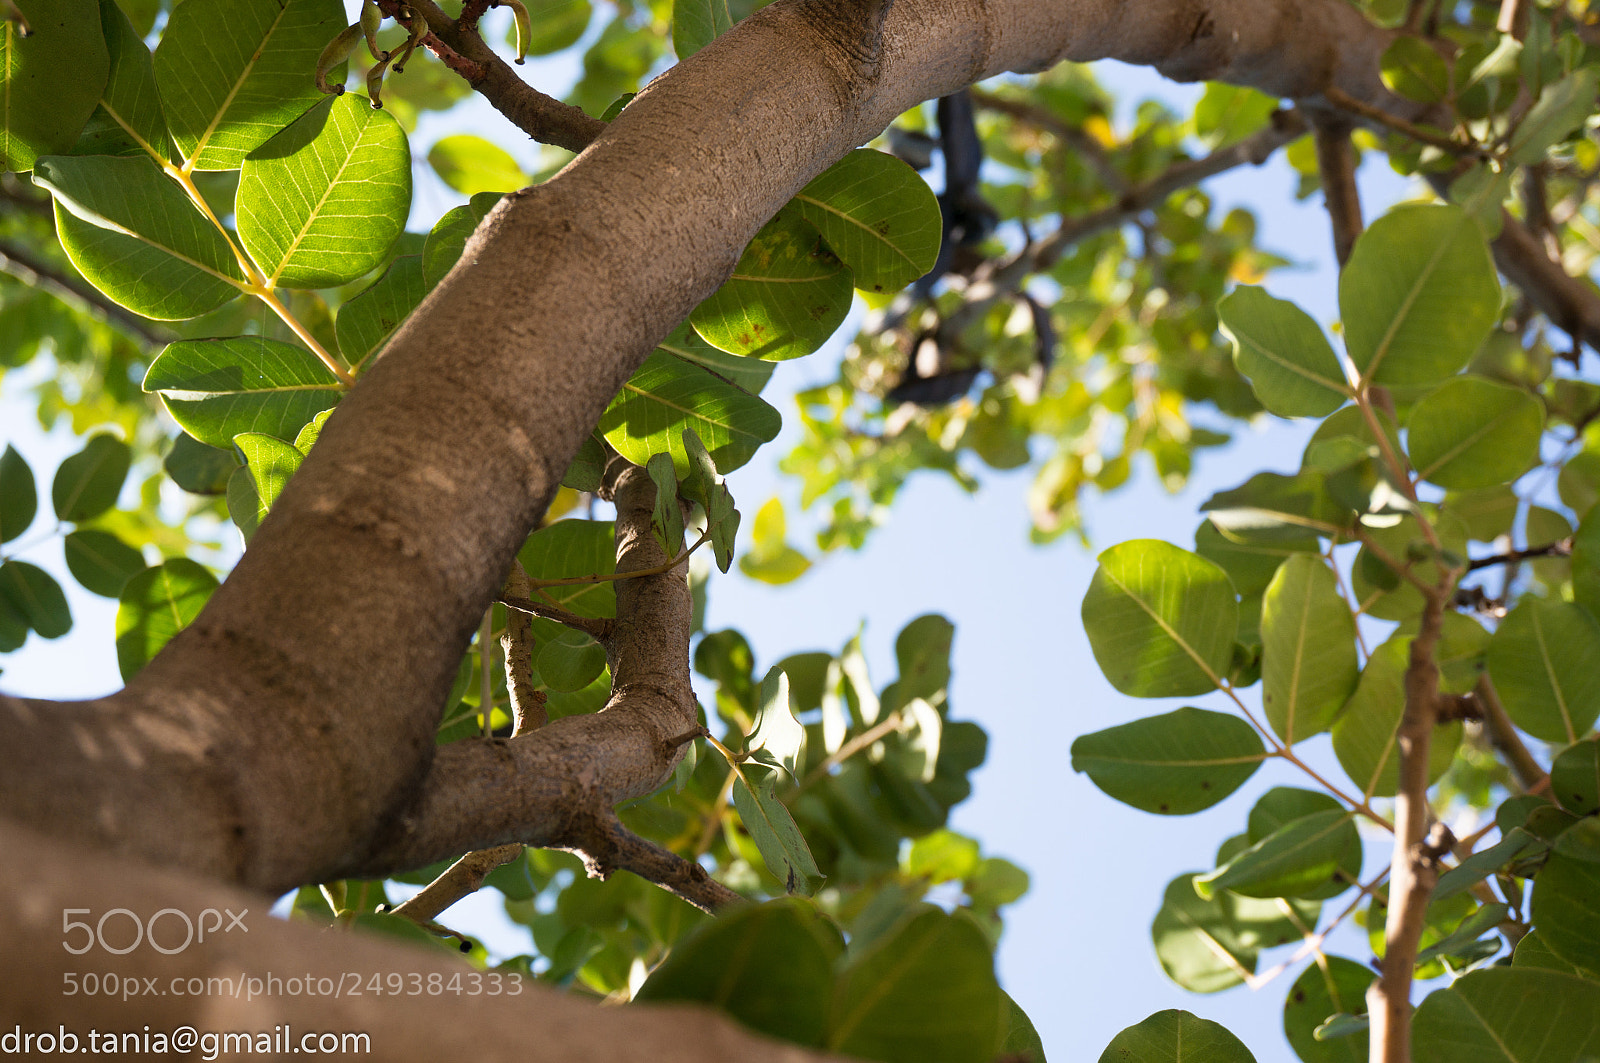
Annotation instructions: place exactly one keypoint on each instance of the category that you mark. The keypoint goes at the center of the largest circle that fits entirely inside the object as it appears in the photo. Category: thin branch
(516, 643)
(36, 274)
(605, 577)
(463, 877)
(1346, 102)
(1418, 847)
(1503, 736)
(596, 628)
(542, 117)
(1570, 302)
(1558, 548)
(608, 846)
(877, 731)
(1336, 162)
(1084, 146)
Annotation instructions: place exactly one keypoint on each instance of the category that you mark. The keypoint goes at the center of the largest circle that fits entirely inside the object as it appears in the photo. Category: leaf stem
(598, 577)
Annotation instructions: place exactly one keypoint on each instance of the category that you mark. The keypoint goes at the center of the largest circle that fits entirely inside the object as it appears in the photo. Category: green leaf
(1281, 510)
(218, 389)
(877, 215)
(1331, 986)
(769, 965)
(570, 661)
(1160, 620)
(1021, 1042)
(134, 235)
(771, 559)
(51, 80)
(13, 626)
(198, 468)
(366, 322)
(35, 596)
(1228, 113)
(87, 483)
(19, 495)
(776, 730)
(1365, 735)
(100, 561)
(1308, 650)
(1471, 432)
(1176, 1037)
(268, 464)
(1282, 350)
(587, 467)
(787, 295)
(924, 992)
(1475, 868)
(470, 164)
(155, 605)
(449, 236)
(667, 517)
(1418, 295)
(1540, 659)
(667, 396)
(557, 24)
(1532, 951)
(696, 23)
(1411, 68)
(1564, 895)
(575, 548)
(1198, 942)
(1306, 857)
(706, 488)
(782, 847)
(1467, 933)
(1575, 777)
(1509, 1015)
(941, 856)
(922, 653)
(1562, 108)
(1174, 764)
(129, 120)
(234, 72)
(321, 203)
(751, 374)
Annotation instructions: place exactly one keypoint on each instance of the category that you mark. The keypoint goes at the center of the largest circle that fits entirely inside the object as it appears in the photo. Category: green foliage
(210, 186)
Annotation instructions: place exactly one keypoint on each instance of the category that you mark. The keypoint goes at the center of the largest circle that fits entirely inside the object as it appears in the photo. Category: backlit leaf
(1471, 432)
(1284, 353)
(34, 595)
(217, 389)
(50, 80)
(470, 164)
(666, 396)
(155, 605)
(1173, 764)
(87, 483)
(100, 561)
(877, 215)
(1308, 651)
(1540, 659)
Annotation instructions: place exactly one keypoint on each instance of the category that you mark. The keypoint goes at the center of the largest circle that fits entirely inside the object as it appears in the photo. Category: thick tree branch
(244, 979)
(1572, 303)
(463, 877)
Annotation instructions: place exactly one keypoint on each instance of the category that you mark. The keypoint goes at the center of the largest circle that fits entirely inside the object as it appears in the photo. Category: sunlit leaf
(50, 79)
(877, 215)
(322, 202)
(100, 561)
(1308, 650)
(1365, 735)
(1328, 986)
(696, 23)
(449, 236)
(234, 72)
(87, 483)
(269, 462)
(1176, 1037)
(367, 320)
(1509, 1015)
(134, 235)
(666, 396)
(1284, 353)
(470, 164)
(1540, 659)
(217, 389)
(1160, 620)
(129, 120)
(1471, 432)
(155, 605)
(782, 846)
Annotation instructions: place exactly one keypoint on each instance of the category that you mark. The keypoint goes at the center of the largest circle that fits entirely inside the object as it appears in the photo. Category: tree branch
(1571, 303)
(1559, 548)
(542, 117)
(527, 704)
(235, 969)
(596, 628)
(1414, 868)
(1336, 163)
(463, 877)
(86, 300)
(1503, 736)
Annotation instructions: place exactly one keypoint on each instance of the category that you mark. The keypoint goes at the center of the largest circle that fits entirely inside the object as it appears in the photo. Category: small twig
(542, 117)
(462, 878)
(606, 845)
(36, 274)
(597, 628)
(1513, 18)
(718, 807)
(1084, 146)
(877, 731)
(1503, 736)
(517, 646)
(1346, 102)
(1559, 548)
(1336, 163)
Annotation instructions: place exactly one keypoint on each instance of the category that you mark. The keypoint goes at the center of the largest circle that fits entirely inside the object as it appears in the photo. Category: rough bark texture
(287, 735)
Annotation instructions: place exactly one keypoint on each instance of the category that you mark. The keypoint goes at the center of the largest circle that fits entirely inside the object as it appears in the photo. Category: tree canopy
(481, 461)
